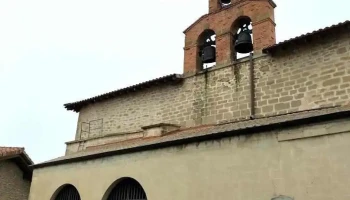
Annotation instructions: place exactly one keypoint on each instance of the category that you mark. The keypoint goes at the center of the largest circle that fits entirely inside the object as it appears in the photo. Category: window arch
(127, 189)
(67, 192)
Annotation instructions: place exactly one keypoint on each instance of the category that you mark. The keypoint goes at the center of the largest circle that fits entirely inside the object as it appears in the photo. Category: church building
(248, 119)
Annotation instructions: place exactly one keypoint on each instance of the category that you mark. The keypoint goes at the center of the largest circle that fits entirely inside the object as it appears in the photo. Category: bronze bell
(244, 42)
(225, 1)
(208, 54)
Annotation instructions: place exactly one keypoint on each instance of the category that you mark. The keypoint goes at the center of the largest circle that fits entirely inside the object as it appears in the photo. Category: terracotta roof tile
(305, 36)
(19, 156)
(76, 106)
(10, 151)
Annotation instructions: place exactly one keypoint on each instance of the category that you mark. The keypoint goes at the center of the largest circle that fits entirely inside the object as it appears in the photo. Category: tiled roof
(307, 36)
(10, 151)
(204, 133)
(19, 156)
(76, 106)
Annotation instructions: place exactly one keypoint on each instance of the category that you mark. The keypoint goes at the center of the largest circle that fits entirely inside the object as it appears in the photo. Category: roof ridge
(311, 33)
(12, 148)
(11, 151)
(76, 106)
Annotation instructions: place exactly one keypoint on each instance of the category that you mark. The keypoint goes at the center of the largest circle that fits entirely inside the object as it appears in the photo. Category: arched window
(67, 192)
(127, 189)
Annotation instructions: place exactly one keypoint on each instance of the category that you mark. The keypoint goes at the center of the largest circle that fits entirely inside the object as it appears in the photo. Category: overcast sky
(55, 52)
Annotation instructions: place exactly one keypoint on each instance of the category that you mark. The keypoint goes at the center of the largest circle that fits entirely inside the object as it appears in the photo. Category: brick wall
(12, 184)
(307, 77)
(224, 22)
(202, 99)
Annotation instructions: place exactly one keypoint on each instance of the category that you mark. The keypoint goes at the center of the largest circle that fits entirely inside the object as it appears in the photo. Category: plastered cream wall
(301, 77)
(309, 162)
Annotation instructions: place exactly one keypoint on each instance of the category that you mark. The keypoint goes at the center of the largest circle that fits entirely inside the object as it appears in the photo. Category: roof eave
(77, 106)
(307, 38)
(218, 135)
(24, 163)
(195, 22)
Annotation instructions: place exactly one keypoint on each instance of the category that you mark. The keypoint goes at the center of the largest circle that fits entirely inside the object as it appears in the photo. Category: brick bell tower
(223, 22)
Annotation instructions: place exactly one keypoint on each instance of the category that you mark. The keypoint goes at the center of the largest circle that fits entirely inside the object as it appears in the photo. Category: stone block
(156, 130)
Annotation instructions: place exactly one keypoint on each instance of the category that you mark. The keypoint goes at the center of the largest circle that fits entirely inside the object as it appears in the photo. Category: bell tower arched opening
(206, 47)
(242, 31)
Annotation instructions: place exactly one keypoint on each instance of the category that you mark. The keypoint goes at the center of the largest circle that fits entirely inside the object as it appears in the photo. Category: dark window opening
(242, 30)
(68, 192)
(225, 3)
(207, 49)
(127, 189)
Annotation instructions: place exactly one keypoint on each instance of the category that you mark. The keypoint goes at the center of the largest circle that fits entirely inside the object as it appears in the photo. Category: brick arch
(202, 36)
(261, 13)
(235, 26)
(262, 17)
(192, 63)
(236, 23)
(200, 41)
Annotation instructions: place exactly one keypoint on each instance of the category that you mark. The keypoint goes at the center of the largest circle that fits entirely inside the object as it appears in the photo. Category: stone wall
(305, 77)
(12, 184)
(300, 78)
(304, 162)
(206, 98)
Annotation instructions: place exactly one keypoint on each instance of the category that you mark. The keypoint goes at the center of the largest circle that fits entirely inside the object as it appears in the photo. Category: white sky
(55, 52)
